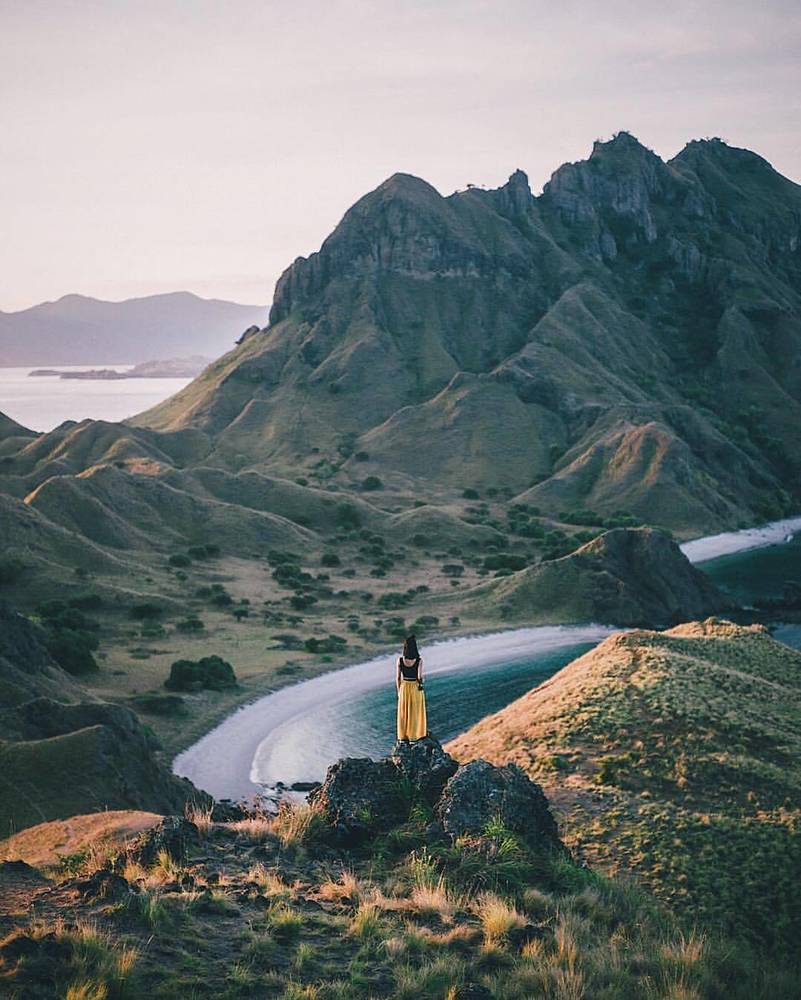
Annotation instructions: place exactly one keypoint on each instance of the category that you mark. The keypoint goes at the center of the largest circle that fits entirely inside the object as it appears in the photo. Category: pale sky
(154, 146)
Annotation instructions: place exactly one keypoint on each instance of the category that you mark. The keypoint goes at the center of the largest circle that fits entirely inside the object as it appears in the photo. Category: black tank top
(409, 673)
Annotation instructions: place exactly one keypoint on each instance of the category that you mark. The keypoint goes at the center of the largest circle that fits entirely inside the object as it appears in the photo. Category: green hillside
(674, 757)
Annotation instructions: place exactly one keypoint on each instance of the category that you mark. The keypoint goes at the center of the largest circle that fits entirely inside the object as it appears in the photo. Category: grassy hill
(674, 757)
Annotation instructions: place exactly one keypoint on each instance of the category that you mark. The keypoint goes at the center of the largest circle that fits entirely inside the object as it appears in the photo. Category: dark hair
(410, 650)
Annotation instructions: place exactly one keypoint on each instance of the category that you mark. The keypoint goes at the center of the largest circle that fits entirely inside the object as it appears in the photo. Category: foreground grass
(404, 918)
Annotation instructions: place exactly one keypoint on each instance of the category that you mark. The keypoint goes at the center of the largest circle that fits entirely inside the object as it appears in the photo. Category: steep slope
(674, 756)
(26, 668)
(625, 576)
(625, 340)
(76, 330)
(62, 754)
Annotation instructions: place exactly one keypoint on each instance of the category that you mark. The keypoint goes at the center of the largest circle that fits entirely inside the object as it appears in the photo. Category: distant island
(167, 368)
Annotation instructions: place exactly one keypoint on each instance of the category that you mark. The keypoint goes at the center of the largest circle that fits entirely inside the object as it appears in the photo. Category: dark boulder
(425, 765)
(103, 884)
(173, 834)
(480, 793)
(360, 798)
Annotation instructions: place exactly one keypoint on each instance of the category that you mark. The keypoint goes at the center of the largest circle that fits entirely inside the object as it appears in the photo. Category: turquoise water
(364, 725)
(748, 576)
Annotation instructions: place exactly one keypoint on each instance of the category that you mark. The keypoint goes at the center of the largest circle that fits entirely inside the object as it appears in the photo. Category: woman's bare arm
(420, 670)
(397, 674)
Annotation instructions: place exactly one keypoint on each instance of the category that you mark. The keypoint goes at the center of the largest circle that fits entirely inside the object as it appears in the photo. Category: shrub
(331, 644)
(348, 515)
(72, 650)
(300, 602)
(221, 599)
(179, 559)
(370, 483)
(330, 559)
(146, 610)
(203, 551)
(453, 569)
(470, 494)
(11, 569)
(86, 602)
(240, 613)
(361, 456)
(505, 561)
(210, 672)
(393, 599)
(190, 624)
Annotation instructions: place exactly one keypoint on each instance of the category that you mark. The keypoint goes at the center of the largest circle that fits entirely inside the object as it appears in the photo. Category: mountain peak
(622, 145)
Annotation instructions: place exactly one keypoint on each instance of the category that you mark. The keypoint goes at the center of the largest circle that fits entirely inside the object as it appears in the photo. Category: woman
(412, 723)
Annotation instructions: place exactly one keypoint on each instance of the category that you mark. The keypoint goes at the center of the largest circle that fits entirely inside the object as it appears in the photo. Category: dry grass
(498, 918)
(366, 923)
(348, 888)
(201, 817)
(433, 900)
(270, 882)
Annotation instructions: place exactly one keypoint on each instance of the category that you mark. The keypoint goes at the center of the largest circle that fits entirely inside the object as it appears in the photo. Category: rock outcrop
(361, 798)
(480, 794)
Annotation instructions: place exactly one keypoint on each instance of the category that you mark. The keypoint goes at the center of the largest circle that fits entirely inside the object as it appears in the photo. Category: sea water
(41, 403)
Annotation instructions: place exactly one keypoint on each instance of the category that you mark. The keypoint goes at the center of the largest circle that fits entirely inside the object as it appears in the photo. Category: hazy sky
(151, 146)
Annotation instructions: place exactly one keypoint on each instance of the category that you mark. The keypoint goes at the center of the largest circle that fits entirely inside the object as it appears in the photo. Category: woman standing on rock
(412, 724)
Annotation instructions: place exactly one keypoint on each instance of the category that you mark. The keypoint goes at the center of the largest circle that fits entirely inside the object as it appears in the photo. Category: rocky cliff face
(646, 308)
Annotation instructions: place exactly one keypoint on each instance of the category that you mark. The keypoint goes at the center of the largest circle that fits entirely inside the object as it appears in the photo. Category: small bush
(11, 569)
(86, 602)
(331, 644)
(72, 650)
(330, 559)
(211, 672)
(180, 559)
(190, 624)
(371, 483)
(147, 610)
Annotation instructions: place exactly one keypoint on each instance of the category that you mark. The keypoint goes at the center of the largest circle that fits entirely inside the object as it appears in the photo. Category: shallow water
(44, 402)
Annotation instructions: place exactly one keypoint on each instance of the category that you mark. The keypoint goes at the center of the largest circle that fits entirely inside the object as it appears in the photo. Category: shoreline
(190, 754)
(246, 732)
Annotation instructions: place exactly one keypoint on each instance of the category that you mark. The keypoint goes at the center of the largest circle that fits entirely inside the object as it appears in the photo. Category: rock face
(425, 765)
(628, 339)
(481, 793)
(627, 576)
(361, 797)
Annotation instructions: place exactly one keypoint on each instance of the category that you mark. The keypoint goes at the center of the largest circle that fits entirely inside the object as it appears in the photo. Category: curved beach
(290, 734)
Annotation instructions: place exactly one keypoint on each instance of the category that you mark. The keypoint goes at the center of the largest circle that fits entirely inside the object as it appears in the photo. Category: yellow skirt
(412, 724)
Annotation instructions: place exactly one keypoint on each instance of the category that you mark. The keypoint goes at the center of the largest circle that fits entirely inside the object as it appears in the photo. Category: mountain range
(623, 349)
(77, 330)
(630, 339)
